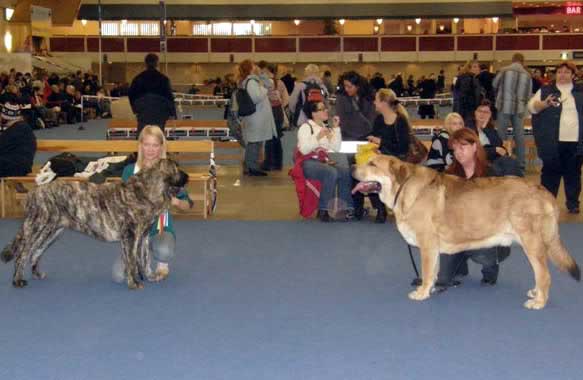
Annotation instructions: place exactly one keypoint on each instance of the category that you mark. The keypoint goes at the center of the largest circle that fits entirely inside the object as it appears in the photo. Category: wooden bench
(199, 147)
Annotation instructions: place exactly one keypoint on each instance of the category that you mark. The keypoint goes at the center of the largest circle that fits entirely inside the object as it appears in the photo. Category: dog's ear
(402, 173)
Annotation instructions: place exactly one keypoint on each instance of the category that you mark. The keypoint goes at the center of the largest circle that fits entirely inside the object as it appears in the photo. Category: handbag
(246, 107)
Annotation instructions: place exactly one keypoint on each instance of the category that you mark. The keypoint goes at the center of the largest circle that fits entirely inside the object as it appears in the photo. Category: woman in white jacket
(315, 137)
(259, 126)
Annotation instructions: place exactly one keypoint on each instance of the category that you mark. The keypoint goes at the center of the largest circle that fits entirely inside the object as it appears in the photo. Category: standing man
(513, 86)
(151, 96)
(558, 132)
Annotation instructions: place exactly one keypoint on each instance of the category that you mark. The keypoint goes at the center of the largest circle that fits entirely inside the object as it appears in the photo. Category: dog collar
(403, 185)
(399, 191)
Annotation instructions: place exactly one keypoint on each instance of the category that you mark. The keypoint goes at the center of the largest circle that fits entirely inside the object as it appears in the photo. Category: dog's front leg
(144, 261)
(129, 245)
(429, 270)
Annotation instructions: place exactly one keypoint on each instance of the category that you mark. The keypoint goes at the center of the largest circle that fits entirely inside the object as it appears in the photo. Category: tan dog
(446, 214)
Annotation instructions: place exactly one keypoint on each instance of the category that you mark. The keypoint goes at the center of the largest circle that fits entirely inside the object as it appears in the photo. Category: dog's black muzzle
(182, 179)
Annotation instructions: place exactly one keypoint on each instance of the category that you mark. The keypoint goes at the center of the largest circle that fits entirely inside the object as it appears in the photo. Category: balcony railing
(365, 47)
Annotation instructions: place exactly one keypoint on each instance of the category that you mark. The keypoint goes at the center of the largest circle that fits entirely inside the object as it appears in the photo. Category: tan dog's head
(382, 174)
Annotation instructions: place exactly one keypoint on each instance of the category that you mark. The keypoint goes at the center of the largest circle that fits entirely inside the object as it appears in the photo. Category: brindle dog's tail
(8, 252)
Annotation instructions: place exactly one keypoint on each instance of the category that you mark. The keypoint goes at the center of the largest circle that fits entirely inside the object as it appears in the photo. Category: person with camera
(317, 142)
(558, 133)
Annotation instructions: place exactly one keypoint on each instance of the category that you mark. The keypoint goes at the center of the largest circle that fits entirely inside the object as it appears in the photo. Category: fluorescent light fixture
(9, 13)
(8, 41)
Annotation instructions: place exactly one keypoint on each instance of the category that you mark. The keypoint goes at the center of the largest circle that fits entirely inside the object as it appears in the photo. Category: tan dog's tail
(557, 251)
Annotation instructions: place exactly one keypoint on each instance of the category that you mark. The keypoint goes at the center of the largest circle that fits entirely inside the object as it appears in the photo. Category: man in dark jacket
(151, 96)
(17, 142)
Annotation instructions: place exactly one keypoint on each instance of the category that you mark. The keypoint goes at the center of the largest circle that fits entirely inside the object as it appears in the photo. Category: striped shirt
(513, 86)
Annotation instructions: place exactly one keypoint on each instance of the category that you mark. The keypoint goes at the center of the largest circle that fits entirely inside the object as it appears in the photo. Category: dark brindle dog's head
(165, 175)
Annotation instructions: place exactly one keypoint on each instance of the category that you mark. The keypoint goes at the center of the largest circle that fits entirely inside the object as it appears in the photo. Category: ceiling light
(441, 28)
(252, 22)
(376, 28)
(379, 21)
(8, 41)
(495, 19)
(456, 20)
(297, 22)
(9, 12)
(83, 22)
(409, 28)
(417, 21)
(342, 21)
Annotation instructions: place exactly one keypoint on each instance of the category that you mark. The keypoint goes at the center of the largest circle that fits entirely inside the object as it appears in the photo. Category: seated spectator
(482, 124)
(17, 142)
(71, 106)
(116, 90)
(103, 105)
(39, 103)
(314, 157)
(440, 156)
(391, 133)
(470, 162)
(56, 99)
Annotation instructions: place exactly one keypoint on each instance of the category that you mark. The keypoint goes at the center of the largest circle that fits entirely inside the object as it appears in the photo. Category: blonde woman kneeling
(151, 148)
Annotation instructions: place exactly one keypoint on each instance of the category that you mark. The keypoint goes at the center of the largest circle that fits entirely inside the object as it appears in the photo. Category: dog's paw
(135, 285)
(19, 283)
(534, 304)
(39, 275)
(418, 295)
(531, 293)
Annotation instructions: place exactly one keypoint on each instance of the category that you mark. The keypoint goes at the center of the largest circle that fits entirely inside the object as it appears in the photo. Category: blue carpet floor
(282, 301)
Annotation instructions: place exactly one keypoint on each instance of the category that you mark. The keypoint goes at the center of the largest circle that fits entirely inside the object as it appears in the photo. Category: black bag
(67, 164)
(312, 93)
(244, 101)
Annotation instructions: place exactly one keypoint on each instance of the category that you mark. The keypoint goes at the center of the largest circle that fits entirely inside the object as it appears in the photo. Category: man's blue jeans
(517, 122)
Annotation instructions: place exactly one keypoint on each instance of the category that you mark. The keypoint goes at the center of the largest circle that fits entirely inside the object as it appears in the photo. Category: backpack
(312, 93)
(246, 107)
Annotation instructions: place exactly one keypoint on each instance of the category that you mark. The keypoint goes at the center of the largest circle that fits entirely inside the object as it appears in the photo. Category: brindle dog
(112, 212)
